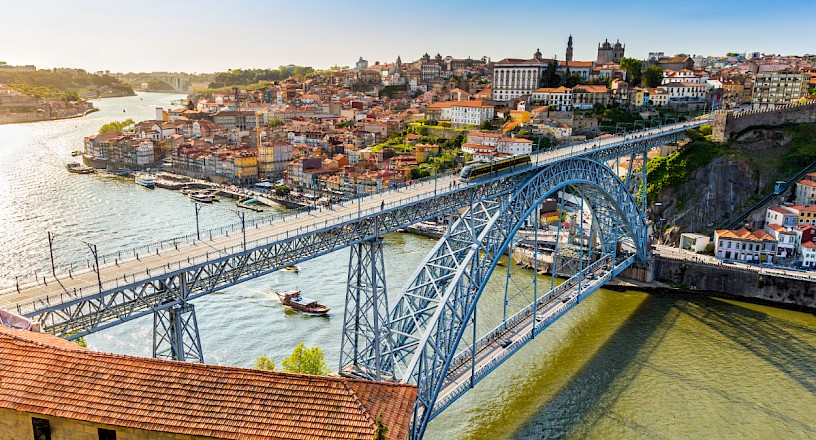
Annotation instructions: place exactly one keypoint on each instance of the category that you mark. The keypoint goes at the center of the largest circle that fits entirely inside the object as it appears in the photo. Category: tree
(264, 363)
(653, 76)
(115, 126)
(574, 80)
(550, 77)
(382, 430)
(274, 122)
(487, 125)
(282, 191)
(71, 95)
(633, 68)
(306, 361)
(343, 124)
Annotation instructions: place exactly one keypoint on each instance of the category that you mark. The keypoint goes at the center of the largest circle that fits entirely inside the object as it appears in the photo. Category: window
(42, 429)
(107, 434)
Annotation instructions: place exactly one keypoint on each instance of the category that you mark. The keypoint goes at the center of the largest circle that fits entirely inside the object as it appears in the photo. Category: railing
(116, 258)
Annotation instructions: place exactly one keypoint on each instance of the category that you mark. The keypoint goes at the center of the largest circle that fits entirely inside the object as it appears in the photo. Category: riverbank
(38, 116)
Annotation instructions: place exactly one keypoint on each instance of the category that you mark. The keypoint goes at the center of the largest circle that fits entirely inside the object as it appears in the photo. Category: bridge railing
(113, 259)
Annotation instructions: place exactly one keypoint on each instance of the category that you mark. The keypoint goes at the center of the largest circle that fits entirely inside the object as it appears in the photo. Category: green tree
(653, 76)
(632, 67)
(71, 95)
(264, 363)
(343, 124)
(574, 80)
(550, 78)
(307, 361)
(487, 125)
(274, 122)
(382, 430)
(282, 191)
(115, 126)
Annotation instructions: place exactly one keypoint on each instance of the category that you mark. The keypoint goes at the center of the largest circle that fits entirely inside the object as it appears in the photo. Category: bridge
(414, 339)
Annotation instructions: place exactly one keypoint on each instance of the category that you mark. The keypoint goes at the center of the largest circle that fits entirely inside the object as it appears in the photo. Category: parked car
(506, 343)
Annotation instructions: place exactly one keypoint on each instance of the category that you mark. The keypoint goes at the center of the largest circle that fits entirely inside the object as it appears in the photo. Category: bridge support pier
(366, 312)
(175, 328)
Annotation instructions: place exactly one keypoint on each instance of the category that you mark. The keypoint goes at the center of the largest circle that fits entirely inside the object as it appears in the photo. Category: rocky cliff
(716, 182)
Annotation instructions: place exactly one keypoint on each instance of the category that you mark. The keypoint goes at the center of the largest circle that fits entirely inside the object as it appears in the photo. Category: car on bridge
(506, 343)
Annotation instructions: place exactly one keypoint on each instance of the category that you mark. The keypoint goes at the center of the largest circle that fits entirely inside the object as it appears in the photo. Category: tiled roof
(744, 234)
(45, 375)
(780, 210)
(806, 183)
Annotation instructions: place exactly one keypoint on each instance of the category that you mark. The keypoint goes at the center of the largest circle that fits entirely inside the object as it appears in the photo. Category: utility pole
(242, 216)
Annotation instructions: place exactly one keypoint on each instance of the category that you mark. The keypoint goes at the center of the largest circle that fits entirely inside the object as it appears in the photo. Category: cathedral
(608, 53)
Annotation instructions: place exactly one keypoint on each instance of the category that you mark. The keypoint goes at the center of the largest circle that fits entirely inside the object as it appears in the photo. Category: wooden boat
(302, 304)
(76, 168)
(292, 268)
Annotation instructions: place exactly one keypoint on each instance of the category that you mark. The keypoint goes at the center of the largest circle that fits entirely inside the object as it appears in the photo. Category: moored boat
(201, 197)
(302, 304)
(76, 168)
(145, 181)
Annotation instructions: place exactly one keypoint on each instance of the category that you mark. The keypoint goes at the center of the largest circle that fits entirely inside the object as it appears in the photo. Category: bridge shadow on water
(591, 394)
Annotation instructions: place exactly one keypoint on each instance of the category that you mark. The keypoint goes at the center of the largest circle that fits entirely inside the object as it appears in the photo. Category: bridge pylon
(366, 313)
(175, 328)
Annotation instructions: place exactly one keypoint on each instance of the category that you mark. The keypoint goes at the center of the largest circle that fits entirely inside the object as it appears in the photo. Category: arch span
(428, 320)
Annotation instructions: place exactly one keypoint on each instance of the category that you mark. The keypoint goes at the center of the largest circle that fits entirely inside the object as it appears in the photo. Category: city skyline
(99, 36)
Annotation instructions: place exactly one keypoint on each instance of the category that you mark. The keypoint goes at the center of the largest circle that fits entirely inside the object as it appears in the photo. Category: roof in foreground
(46, 375)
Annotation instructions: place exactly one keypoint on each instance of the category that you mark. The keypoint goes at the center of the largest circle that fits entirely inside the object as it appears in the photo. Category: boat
(302, 304)
(76, 168)
(201, 197)
(76, 153)
(145, 180)
(292, 268)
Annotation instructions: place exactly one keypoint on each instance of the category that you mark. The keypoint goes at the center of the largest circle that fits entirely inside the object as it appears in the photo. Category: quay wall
(738, 282)
(727, 123)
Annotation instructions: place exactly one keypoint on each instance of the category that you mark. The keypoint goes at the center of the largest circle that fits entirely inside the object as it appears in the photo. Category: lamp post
(92, 247)
(51, 238)
(198, 231)
(242, 216)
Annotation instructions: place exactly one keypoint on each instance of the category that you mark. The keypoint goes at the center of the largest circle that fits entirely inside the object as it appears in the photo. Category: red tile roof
(745, 234)
(43, 374)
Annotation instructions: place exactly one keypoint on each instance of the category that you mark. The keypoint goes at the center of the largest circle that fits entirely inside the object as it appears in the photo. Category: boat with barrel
(77, 168)
(302, 304)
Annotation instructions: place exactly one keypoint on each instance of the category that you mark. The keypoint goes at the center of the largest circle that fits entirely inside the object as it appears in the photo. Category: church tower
(569, 49)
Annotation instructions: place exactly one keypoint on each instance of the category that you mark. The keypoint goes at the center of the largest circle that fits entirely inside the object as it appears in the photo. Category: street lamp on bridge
(92, 247)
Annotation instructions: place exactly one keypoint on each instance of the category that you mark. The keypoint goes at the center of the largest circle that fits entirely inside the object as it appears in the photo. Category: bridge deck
(521, 328)
(50, 292)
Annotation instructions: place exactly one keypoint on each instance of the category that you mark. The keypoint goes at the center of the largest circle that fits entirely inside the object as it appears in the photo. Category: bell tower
(569, 49)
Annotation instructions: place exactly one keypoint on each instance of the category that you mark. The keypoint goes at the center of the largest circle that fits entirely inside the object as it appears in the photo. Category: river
(620, 365)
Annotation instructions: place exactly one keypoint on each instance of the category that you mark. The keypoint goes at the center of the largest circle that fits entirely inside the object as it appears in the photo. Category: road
(682, 254)
(130, 268)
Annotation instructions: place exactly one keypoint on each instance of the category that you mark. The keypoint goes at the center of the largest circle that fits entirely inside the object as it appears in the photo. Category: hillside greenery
(241, 77)
(60, 83)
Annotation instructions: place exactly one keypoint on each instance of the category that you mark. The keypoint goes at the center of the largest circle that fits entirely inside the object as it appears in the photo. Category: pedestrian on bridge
(382, 205)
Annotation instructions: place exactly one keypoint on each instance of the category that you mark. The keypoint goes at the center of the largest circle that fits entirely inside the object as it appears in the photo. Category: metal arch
(430, 316)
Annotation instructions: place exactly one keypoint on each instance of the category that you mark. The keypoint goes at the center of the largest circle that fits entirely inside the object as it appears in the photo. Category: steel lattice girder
(432, 312)
(79, 316)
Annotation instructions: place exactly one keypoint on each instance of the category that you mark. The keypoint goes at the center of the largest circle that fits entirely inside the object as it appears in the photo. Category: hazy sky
(207, 36)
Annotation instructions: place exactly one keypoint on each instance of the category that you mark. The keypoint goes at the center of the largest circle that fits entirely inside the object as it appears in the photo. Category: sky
(208, 36)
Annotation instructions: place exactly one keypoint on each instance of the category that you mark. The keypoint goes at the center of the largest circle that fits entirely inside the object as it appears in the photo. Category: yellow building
(424, 151)
(246, 167)
(520, 116)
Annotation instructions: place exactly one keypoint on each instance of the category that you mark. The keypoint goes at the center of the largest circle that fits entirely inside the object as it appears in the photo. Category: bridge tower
(175, 328)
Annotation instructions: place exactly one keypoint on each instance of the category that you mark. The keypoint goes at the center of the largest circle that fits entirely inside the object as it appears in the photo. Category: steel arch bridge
(415, 341)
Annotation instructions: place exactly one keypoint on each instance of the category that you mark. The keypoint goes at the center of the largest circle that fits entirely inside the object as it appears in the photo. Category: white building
(560, 97)
(694, 242)
(685, 90)
(514, 146)
(144, 153)
(743, 245)
(806, 192)
(482, 153)
(779, 88)
(470, 112)
(513, 77)
(808, 254)
(478, 137)
(785, 239)
(781, 216)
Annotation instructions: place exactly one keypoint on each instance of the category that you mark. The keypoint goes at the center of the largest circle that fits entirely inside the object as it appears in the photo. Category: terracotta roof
(590, 88)
(45, 375)
(806, 183)
(780, 210)
(744, 234)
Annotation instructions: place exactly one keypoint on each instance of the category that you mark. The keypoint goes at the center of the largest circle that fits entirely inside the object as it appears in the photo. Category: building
(608, 53)
(781, 216)
(568, 57)
(513, 77)
(808, 254)
(744, 245)
(694, 242)
(560, 97)
(586, 96)
(779, 88)
(514, 146)
(361, 64)
(62, 391)
(785, 240)
(471, 112)
(806, 191)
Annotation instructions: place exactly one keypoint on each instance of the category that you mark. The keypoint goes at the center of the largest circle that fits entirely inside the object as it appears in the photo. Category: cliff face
(715, 192)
